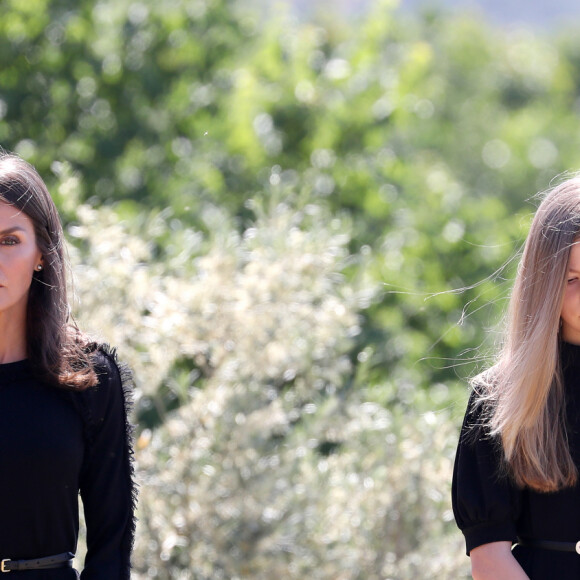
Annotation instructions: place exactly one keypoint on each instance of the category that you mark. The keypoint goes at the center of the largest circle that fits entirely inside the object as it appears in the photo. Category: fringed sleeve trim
(128, 386)
(84, 401)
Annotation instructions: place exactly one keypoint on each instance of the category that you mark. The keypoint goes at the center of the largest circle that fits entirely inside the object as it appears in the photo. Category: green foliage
(299, 234)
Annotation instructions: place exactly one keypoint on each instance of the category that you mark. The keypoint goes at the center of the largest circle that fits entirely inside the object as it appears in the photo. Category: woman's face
(19, 256)
(570, 314)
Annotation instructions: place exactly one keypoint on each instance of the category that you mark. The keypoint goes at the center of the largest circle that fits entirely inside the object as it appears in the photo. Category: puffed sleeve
(107, 488)
(486, 504)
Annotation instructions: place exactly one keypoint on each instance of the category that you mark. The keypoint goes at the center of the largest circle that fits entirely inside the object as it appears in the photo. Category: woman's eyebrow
(13, 229)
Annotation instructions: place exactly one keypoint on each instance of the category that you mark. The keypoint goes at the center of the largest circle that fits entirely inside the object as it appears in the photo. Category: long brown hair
(523, 392)
(57, 350)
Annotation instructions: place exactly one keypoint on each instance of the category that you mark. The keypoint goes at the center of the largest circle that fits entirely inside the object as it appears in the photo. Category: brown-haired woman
(64, 402)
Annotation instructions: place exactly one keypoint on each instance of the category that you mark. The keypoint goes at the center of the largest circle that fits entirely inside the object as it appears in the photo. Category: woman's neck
(12, 340)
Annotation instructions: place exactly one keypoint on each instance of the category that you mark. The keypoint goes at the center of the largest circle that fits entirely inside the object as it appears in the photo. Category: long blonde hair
(523, 392)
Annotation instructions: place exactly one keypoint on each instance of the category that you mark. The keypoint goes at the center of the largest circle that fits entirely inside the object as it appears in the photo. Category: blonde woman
(516, 489)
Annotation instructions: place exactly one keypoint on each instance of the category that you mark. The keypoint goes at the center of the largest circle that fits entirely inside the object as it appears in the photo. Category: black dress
(488, 507)
(53, 444)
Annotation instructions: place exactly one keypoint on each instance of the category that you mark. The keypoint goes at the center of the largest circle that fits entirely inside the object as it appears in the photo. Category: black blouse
(53, 444)
(488, 507)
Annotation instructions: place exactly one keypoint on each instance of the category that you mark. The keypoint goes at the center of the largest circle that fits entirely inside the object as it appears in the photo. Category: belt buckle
(3, 562)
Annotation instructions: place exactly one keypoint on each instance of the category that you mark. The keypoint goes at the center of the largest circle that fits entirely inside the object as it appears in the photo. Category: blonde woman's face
(570, 314)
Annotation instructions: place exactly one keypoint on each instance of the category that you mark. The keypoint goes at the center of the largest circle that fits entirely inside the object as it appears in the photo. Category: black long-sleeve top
(489, 507)
(55, 443)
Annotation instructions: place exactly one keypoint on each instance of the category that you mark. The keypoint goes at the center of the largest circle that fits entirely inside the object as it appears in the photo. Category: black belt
(551, 545)
(63, 560)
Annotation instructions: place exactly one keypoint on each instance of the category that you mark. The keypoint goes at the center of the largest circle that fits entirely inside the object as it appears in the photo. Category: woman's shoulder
(107, 364)
(113, 392)
(481, 401)
(110, 370)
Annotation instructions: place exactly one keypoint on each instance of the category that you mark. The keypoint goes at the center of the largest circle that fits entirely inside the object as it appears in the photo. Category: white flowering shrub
(255, 457)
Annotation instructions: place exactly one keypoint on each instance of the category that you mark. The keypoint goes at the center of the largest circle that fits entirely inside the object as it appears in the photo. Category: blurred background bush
(299, 232)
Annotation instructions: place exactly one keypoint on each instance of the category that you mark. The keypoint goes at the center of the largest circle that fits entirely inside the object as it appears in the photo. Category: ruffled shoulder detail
(108, 368)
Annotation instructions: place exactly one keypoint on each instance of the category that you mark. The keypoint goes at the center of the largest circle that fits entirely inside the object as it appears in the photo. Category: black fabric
(488, 507)
(547, 545)
(53, 444)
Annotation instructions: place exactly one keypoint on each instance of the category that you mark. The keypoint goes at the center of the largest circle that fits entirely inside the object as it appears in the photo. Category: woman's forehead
(11, 216)
(574, 260)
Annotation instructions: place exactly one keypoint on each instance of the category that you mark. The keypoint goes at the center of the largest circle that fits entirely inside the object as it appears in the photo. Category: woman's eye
(10, 241)
(570, 280)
